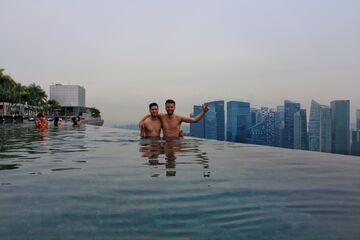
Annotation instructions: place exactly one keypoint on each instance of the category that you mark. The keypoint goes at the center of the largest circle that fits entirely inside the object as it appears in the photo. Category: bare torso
(152, 127)
(171, 125)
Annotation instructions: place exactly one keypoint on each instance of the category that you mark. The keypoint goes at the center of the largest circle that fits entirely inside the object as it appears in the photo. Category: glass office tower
(215, 121)
(358, 119)
(290, 109)
(197, 129)
(314, 126)
(340, 125)
(238, 121)
(325, 129)
(300, 130)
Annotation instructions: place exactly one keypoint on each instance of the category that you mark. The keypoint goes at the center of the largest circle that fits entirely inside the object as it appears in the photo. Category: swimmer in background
(41, 122)
(76, 121)
(57, 122)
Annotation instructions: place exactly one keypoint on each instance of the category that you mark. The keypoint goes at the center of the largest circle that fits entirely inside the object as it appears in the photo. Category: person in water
(171, 122)
(152, 124)
(76, 121)
(41, 122)
(57, 122)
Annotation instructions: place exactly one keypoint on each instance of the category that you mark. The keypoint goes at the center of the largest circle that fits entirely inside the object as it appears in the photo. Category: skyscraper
(238, 121)
(263, 133)
(355, 143)
(215, 121)
(68, 95)
(290, 109)
(314, 127)
(300, 130)
(325, 129)
(279, 125)
(358, 119)
(197, 129)
(340, 125)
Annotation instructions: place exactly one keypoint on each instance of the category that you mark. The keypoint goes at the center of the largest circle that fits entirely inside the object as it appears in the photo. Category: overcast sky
(130, 53)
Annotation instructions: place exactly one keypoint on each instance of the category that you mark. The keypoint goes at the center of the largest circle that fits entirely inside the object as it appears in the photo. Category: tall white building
(68, 95)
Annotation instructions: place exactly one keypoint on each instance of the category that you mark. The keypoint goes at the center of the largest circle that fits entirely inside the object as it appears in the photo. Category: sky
(130, 53)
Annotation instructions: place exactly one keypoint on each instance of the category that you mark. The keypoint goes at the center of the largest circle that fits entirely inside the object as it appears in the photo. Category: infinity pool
(104, 183)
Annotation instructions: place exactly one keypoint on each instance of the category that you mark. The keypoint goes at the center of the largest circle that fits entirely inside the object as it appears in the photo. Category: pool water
(105, 183)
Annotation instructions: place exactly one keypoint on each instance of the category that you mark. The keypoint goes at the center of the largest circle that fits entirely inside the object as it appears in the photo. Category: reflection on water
(93, 183)
(24, 142)
(170, 153)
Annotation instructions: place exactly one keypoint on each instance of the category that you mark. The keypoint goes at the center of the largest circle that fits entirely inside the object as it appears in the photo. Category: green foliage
(15, 93)
(95, 112)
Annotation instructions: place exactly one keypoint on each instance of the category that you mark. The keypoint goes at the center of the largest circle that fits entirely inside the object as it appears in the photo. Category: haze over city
(130, 53)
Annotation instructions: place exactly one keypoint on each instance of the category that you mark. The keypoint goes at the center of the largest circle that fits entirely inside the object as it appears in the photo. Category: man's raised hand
(205, 107)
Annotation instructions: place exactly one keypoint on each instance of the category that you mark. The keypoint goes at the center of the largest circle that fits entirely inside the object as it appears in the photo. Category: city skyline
(128, 54)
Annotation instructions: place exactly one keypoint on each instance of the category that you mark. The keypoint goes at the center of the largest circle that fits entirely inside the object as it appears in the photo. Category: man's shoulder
(151, 120)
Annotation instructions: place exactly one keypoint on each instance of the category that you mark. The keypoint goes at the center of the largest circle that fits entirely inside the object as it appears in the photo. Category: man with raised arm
(171, 122)
(151, 125)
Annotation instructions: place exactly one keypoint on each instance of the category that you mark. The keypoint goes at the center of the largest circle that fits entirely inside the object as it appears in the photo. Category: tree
(36, 95)
(95, 112)
(53, 105)
(7, 85)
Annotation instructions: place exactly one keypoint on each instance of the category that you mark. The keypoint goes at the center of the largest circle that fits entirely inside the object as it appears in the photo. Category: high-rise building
(340, 124)
(314, 126)
(68, 95)
(355, 143)
(290, 109)
(238, 121)
(197, 129)
(253, 116)
(319, 128)
(325, 129)
(358, 119)
(279, 125)
(215, 121)
(263, 133)
(300, 130)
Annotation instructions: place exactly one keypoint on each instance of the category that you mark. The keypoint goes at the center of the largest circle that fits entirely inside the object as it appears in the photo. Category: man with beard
(151, 125)
(171, 122)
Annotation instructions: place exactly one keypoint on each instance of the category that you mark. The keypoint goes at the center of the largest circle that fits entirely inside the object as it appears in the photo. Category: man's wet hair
(40, 115)
(152, 105)
(170, 101)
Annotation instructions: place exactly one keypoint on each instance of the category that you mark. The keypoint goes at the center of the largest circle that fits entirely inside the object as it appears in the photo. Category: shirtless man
(171, 122)
(152, 125)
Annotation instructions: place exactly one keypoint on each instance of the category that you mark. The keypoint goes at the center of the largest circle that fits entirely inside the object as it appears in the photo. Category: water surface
(104, 183)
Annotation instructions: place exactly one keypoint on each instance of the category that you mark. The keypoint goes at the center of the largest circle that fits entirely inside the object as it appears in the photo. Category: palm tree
(7, 85)
(36, 95)
(53, 105)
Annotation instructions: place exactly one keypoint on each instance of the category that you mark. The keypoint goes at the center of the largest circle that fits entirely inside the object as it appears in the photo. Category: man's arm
(141, 123)
(142, 132)
(198, 117)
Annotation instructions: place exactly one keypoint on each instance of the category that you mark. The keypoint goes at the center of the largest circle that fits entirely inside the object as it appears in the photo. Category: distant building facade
(358, 119)
(290, 108)
(263, 133)
(238, 121)
(300, 130)
(215, 121)
(197, 129)
(355, 143)
(314, 126)
(340, 124)
(68, 95)
(325, 129)
(279, 125)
